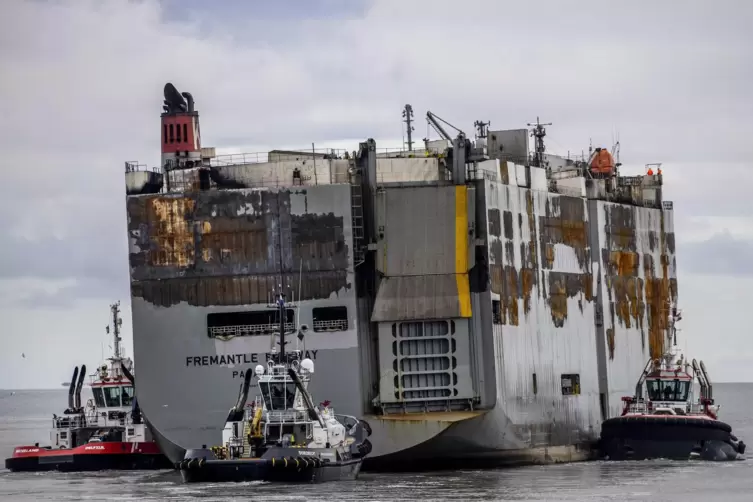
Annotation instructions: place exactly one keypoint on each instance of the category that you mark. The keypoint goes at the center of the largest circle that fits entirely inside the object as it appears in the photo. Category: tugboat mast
(282, 358)
(116, 323)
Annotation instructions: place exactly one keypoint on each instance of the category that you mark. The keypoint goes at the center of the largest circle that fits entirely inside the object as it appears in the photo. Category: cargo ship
(476, 301)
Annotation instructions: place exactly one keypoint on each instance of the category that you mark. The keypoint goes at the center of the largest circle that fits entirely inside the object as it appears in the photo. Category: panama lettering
(227, 359)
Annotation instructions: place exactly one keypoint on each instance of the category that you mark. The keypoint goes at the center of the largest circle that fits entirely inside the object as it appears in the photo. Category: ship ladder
(356, 200)
(246, 433)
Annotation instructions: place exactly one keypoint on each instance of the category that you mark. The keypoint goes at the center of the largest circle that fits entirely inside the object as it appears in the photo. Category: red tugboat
(668, 422)
(108, 433)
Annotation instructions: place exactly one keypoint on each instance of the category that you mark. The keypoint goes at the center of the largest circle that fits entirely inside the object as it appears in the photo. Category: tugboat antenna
(116, 322)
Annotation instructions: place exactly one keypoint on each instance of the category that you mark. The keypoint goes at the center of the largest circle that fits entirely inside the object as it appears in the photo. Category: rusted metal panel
(417, 297)
(226, 247)
(542, 244)
(540, 268)
(637, 273)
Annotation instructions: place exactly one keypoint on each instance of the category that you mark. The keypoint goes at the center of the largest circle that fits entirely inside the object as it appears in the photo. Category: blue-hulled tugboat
(664, 420)
(282, 436)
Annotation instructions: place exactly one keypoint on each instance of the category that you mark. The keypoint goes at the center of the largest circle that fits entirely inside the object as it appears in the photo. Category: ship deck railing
(335, 325)
(287, 417)
(182, 182)
(90, 419)
(70, 422)
(134, 166)
(313, 155)
(248, 329)
(642, 407)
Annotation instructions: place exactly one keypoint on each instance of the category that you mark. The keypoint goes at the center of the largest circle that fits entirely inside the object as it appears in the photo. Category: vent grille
(424, 361)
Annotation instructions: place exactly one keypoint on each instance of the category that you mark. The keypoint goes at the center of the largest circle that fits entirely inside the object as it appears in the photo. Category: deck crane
(473, 153)
(434, 120)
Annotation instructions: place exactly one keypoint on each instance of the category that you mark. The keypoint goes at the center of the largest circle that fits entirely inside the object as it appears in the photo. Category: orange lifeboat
(602, 162)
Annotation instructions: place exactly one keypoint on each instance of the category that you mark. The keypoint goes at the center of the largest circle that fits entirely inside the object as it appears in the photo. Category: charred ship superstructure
(485, 304)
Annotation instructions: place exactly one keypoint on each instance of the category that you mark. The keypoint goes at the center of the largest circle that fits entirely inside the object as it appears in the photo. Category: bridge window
(127, 396)
(177, 133)
(571, 384)
(668, 390)
(330, 318)
(164, 132)
(185, 133)
(278, 396)
(172, 136)
(112, 396)
(99, 398)
(249, 323)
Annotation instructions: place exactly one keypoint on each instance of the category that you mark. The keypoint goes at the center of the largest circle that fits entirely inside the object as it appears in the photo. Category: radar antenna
(481, 128)
(538, 132)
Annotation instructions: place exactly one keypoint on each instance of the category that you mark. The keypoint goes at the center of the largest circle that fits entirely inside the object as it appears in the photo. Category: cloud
(81, 93)
(722, 254)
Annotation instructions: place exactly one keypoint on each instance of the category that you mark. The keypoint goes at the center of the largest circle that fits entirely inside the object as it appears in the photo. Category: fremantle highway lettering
(227, 359)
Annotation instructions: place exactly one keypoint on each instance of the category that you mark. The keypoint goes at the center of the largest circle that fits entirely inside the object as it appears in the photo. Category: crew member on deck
(668, 391)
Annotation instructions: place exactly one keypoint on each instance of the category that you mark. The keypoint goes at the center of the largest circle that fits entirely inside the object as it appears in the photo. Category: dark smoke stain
(564, 222)
(670, 239)
(610, 343)
(245, 290)
(507, 219)
(495, 224)
(497, 251)
(634, 298)
(216, 247)
(652, 240)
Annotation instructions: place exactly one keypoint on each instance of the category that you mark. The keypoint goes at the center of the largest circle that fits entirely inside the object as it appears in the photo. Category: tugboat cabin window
(668, 390)
(249, 323)
(112, 396)
(278, 396)
(127, 395)
(99, 398)
(330, 318)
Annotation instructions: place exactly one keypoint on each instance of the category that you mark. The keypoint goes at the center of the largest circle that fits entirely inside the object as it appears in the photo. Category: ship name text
(227, 359)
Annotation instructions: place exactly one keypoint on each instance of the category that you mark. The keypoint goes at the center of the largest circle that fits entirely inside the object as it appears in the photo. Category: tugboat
(108, 433)
(282, 436)
(668, 422)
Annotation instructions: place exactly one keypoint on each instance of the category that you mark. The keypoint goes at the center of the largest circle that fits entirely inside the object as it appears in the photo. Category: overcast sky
(81, 92)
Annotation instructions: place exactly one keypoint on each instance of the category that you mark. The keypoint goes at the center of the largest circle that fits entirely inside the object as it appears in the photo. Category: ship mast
(539, 131)
(116, 323)
(281, 306)
(408, 116)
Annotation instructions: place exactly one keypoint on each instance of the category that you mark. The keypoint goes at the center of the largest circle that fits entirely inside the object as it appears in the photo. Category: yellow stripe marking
(461, 250)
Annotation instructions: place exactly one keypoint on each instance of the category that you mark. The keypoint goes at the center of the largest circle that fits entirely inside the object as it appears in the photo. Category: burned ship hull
(485, 312)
